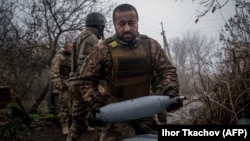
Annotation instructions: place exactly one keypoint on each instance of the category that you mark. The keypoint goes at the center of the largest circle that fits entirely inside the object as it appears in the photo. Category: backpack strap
(76, 51)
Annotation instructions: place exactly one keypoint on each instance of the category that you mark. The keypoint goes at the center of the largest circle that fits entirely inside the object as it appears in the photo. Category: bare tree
(231, 96)
(15, 51)
(58, 21)
(181, 53)
(62, 20)
(32, 32)
(193, 55)
(209, 6)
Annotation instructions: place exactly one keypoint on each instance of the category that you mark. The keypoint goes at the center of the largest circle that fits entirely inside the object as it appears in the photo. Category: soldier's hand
(96, 108)
(177, 101)
(93, 121)
(176, 104)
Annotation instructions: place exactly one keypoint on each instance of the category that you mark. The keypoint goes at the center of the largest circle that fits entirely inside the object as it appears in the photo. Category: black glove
(92, 120)
(175, 105)
(170, 93)
(96, 108)
(177, 102)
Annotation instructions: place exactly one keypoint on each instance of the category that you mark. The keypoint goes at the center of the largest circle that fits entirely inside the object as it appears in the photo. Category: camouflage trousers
(79, 112)
(120, 131)
(65, 107)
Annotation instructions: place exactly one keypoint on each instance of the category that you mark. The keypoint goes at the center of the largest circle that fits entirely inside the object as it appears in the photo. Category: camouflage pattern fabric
(79, 112)
(120, 131)
(101, 57)
(100, 61)
(83, 45)
(61, 62)
(65, 104)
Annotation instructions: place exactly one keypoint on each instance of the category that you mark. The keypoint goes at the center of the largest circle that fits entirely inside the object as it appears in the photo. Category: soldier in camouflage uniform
(60, 69)
(126, 62)
(83, 45)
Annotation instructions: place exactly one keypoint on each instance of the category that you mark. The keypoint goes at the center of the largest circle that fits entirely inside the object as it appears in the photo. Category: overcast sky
(178, 17)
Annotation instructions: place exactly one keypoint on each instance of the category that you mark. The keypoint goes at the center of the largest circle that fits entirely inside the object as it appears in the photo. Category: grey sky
(178, 17)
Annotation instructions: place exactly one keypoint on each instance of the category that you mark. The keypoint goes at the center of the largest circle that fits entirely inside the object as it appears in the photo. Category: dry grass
(228, 102)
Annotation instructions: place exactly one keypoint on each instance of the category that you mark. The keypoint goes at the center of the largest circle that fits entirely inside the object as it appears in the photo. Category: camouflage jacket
(60, 68)
(99, 66)
(83, 45)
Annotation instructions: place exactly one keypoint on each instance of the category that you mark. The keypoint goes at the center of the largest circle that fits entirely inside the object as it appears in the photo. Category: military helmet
(95, 18)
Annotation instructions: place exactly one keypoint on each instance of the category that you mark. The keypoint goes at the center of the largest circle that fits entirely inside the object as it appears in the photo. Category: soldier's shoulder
(146, 37)
(59, 54)
(85, 34)
(152, 41)
(111, 42)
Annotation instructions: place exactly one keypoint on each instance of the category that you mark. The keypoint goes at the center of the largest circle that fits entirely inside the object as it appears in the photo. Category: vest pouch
(126, 92)
(136, 90)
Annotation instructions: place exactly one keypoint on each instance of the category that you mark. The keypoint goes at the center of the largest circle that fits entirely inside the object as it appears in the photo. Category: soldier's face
(126, 25)
(69, 48)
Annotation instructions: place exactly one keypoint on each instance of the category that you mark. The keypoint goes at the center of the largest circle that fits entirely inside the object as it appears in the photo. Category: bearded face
(126, 25)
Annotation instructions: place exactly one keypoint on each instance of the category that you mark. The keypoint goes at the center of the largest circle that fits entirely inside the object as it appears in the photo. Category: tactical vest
(65, 64)
(131, 70)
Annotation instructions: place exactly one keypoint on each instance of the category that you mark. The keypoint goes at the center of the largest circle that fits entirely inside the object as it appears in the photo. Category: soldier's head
(96, 20)
(68, 47)
(125, 20)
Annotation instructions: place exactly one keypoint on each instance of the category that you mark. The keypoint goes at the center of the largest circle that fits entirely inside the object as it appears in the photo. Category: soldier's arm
(55, 70)
(164, 69)
(94, 70)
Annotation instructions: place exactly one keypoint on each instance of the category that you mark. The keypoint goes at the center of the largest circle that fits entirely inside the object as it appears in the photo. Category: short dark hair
(124, 8)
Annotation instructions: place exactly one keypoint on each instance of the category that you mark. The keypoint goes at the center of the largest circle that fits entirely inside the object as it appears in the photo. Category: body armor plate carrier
(131, 70)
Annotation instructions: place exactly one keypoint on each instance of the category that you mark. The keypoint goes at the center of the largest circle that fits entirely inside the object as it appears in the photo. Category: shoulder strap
(73, 60)
(75, 52)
